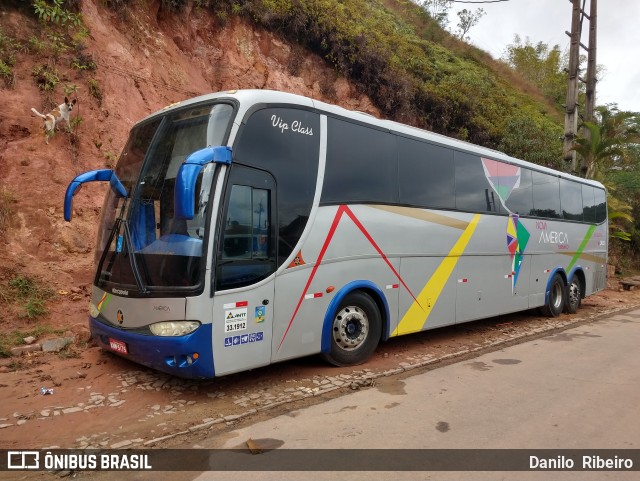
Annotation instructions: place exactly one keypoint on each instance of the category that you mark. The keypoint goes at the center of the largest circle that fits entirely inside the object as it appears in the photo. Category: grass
(45, 77)
(9, 47)
(29, 297)
(26, 294)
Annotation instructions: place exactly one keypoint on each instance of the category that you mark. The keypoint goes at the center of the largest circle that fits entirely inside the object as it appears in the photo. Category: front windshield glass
(146, 247)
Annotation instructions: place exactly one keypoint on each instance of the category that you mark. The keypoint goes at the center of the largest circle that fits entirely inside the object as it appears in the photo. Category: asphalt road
(578, 389)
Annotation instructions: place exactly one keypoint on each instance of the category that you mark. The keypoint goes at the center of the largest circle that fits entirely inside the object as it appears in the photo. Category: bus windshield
(141, 245)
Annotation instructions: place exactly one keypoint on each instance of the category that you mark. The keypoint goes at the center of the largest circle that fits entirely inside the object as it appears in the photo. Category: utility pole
(571, 113)
(590, 100)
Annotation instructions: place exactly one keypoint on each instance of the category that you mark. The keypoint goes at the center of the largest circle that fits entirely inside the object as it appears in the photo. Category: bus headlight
(93, 310)
(174, 328)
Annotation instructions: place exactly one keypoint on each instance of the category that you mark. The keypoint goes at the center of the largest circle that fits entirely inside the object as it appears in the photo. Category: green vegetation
(59, 41)
(610, 144)
(8, 49)
(612, 141)
(94, 90)
(83, 62)
(26, 294)
(45, 77)
(56, 12)
(541, 65)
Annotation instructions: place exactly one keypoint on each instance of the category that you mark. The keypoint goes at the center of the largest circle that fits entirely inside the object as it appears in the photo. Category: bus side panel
(491, 279)
(346, 244)
(485, 287)
(434, 291)
(299, 314)
(242, 325)
(567, 248)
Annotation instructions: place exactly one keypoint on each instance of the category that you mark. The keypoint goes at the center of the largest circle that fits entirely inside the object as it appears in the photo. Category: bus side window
(237, 231)
(474, 193)
(588, 204)
(247, 251)
(546, 195)
(571, 200)
(601, 205)
(520, 201)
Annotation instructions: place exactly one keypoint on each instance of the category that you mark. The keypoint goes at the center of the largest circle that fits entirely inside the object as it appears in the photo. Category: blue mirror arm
(117, 186)
(185, 188)
(102, 175)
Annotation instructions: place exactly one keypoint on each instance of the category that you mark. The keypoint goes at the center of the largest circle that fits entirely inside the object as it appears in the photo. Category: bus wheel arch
(556, 295)
(575, 292)
(353, 325)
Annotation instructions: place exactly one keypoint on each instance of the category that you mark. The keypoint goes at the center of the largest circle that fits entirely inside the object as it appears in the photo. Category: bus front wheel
(556, 297)
(355, 331)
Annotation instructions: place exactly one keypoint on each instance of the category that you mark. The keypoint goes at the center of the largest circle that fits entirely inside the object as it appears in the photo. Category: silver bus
(248, 227)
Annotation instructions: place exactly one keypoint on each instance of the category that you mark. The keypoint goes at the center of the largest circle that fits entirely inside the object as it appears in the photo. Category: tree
(438, 10)
(541, 65)
(467, 20)
(612, 143)
(538, 142)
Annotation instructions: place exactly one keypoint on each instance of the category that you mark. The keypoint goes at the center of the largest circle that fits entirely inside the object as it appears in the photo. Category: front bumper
(173, 355)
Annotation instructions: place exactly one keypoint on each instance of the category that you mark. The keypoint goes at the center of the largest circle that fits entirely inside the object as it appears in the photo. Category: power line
(158, 83)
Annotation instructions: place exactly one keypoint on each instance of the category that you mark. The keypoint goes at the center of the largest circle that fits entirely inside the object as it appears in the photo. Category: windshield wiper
(132, 259)
(129, 252)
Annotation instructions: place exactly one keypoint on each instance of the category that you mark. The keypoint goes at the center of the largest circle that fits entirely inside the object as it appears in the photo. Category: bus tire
(556, 298)
(355, 330)
(574, 296)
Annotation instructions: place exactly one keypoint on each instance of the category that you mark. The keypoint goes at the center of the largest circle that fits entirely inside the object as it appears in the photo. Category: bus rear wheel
(556, 298)
(574, 296)
(355, 331)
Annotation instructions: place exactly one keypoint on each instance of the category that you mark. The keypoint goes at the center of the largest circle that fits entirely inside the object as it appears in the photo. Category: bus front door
(244, 277)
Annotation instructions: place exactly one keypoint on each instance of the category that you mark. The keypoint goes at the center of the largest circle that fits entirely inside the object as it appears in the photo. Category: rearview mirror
(102, 175)
(185, 188)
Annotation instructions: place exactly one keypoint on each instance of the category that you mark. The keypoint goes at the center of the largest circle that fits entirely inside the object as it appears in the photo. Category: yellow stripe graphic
(416, 316)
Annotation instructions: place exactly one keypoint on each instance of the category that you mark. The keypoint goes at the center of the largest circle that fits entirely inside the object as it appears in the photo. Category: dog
(56, 115)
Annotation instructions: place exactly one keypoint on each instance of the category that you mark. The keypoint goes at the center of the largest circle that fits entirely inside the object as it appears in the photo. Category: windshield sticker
(119, 244)
(234, 341)
(260, 313)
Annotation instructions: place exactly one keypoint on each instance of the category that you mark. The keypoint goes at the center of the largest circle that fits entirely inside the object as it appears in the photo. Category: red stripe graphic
(343, 209)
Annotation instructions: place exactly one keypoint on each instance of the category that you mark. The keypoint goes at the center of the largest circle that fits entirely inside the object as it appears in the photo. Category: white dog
(56, 115)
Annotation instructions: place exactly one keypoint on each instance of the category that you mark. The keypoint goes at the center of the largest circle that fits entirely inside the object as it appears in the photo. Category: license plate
(118, 346)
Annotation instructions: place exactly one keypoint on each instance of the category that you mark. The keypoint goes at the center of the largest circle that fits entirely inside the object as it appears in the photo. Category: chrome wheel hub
(350, 328)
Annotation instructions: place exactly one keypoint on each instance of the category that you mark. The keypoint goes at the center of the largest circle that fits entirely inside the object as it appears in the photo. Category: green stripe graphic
(586, 239)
